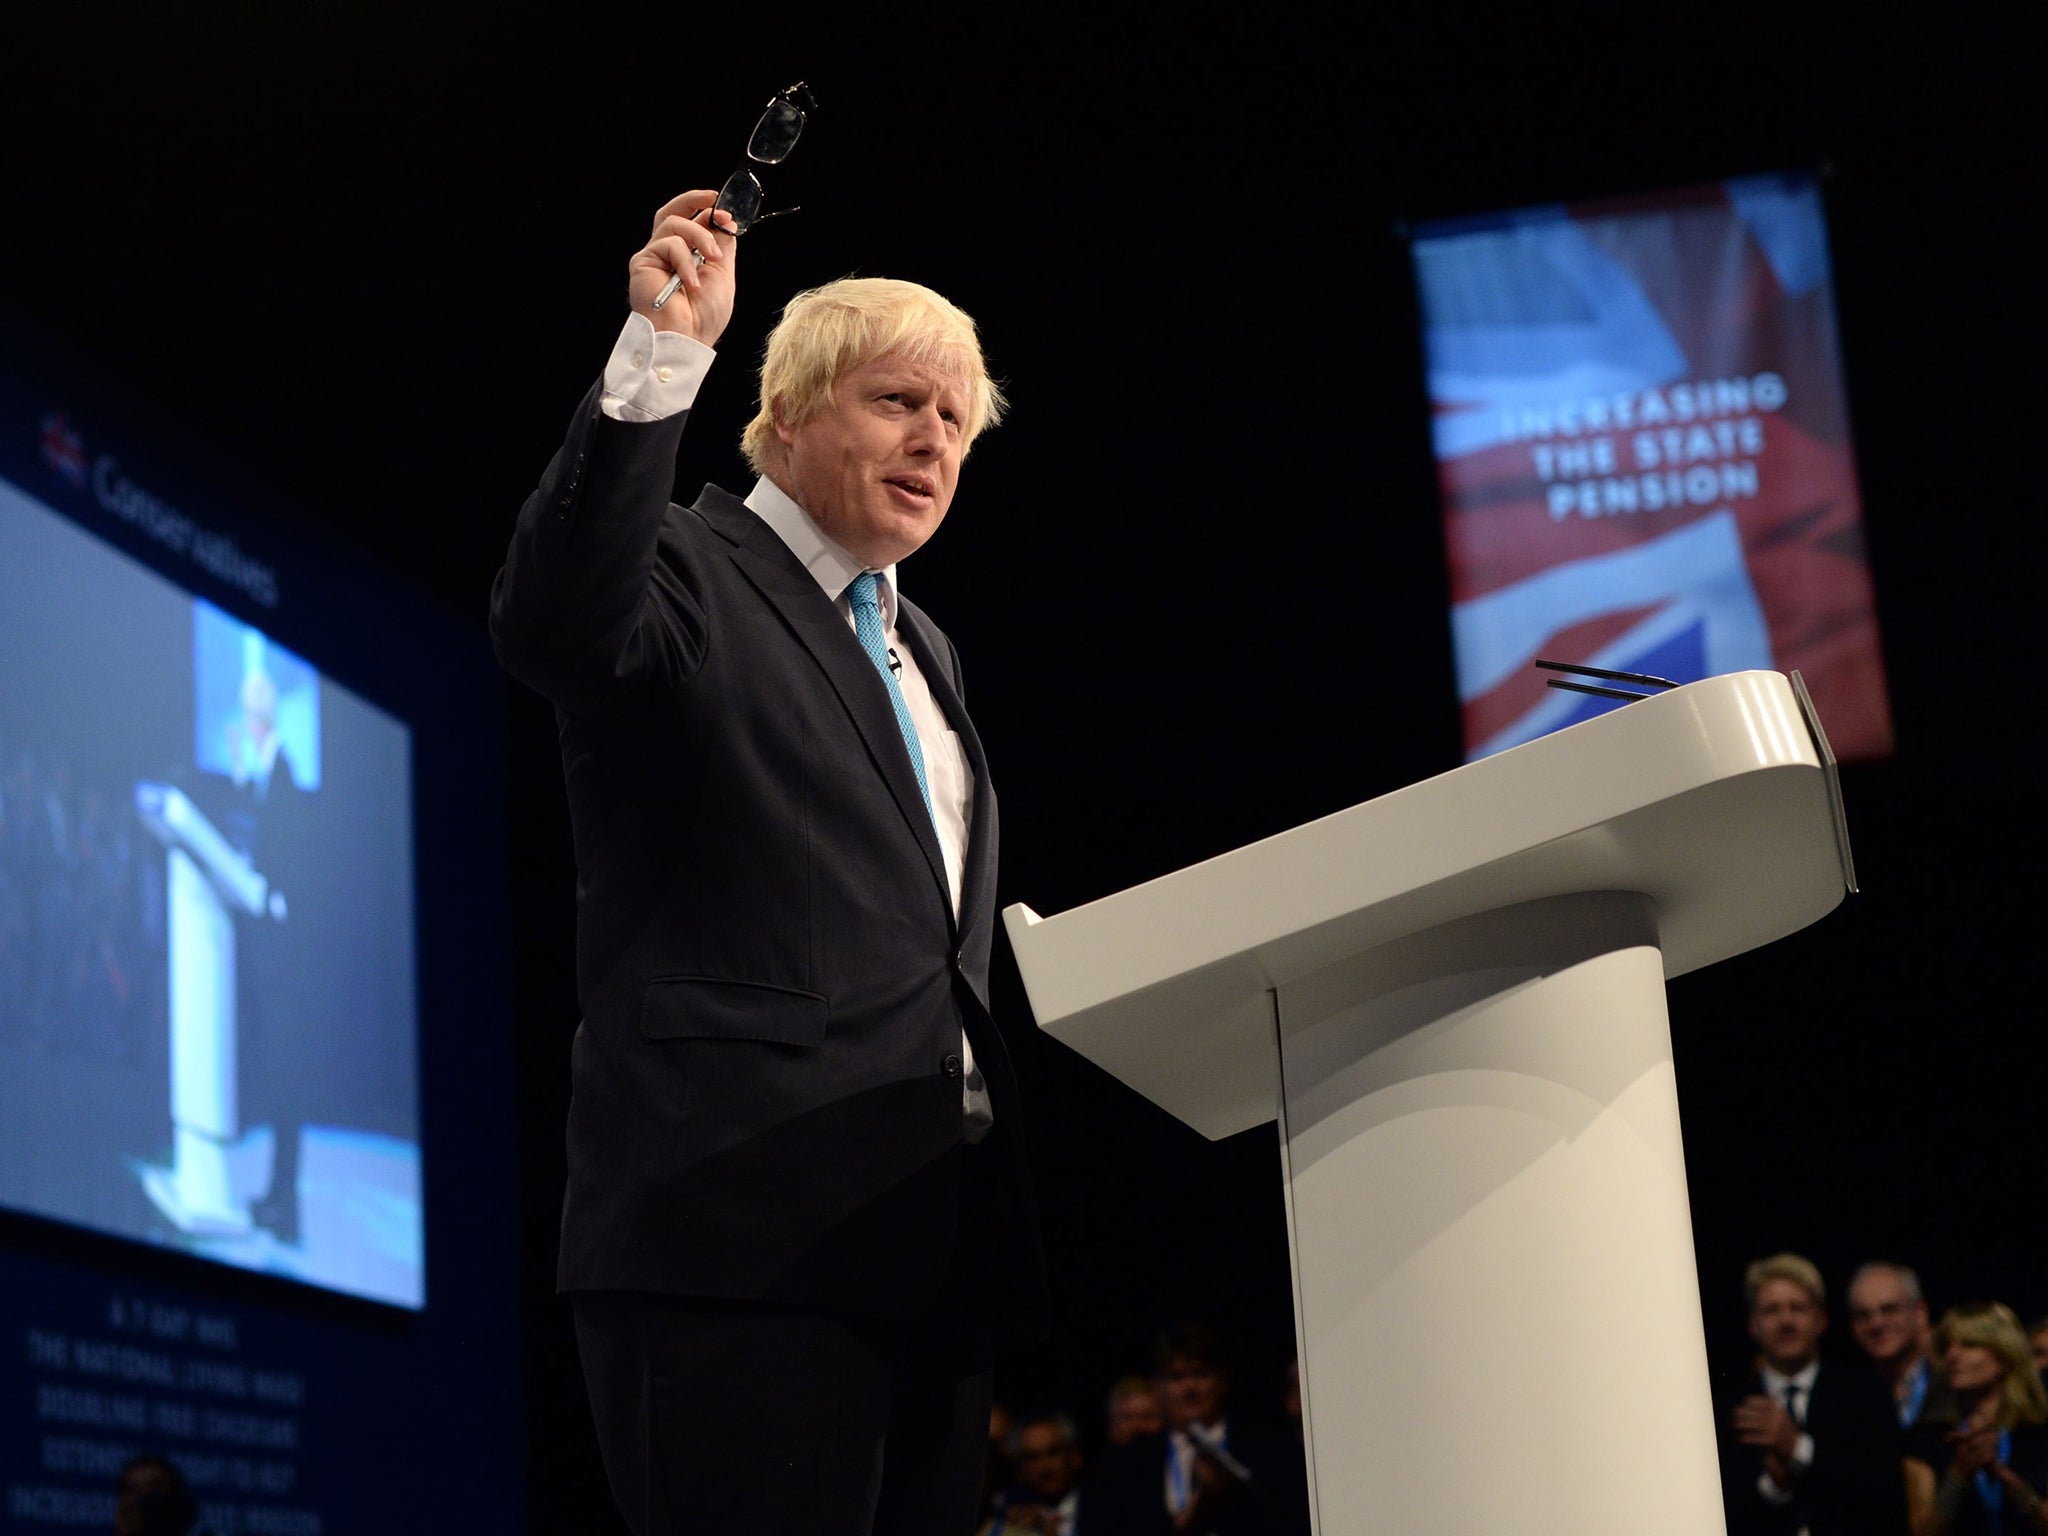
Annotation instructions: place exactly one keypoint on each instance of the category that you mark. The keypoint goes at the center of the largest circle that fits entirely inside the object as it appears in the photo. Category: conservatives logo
(212, 551)
(64, 449)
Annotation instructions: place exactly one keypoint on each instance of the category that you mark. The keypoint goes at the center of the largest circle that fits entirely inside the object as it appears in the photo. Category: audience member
(1984, 1471)
(1808, 1450)
(1134, 1409)
(1888, 1319)
(1212, 1473)
(2037, 1337)
(152, 1499)
(996, 1471)
(81, 917)
(1045, 1450)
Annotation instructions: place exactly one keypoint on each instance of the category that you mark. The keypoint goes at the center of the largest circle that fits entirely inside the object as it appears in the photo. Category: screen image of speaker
(208, 1012)
(259, 1152)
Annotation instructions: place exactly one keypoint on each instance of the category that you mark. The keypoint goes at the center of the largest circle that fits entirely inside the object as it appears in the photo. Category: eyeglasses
(773, 138)
(770, 143)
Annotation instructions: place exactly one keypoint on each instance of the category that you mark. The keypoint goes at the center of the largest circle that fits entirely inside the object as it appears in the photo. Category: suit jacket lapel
(817, 622)
(976, 896)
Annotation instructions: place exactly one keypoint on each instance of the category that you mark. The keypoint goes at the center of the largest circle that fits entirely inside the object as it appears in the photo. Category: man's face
(1886, 1323)
(1786, 1323)
(1046, 1463)
(1192, 1391)
(876, 467)
(1135, 1413)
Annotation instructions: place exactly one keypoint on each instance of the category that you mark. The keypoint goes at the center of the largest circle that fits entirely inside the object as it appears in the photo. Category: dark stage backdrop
(1198, 578)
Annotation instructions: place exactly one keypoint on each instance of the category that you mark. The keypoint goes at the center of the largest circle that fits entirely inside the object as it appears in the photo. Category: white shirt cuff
(1802, 1458)
(652, 374)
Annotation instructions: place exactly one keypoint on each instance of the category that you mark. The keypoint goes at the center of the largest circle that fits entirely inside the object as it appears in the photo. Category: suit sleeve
(584, 606)
(1742, 1503)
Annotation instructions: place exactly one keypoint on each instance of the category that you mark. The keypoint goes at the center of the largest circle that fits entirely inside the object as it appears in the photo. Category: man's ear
(784, 431)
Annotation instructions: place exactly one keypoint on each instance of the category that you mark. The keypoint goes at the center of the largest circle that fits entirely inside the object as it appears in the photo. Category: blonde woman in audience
(1984, 1473)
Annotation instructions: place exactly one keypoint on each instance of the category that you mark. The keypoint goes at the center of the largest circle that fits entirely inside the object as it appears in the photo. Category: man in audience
(1888, 1318)
(152, 1499)
(996, 1471)
(1045, 1449)
(1133, 1410)
(1213, 1472)
(1809, 1449)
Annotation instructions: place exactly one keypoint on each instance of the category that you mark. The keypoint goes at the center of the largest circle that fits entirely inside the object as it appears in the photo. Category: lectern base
(208, 1187)
(1495, 1290)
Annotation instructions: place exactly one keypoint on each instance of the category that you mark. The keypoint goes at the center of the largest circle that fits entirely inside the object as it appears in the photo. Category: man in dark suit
(797, 1227)
(1045, 1448)
(1212, 1472)
(1809, 1449)
(1888, 1320)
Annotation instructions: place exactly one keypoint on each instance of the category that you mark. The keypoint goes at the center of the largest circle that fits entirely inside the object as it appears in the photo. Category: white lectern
(1453, 998)
(215, 1169)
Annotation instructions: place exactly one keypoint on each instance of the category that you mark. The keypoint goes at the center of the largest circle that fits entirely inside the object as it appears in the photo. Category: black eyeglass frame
(745, 183)
(797, 99)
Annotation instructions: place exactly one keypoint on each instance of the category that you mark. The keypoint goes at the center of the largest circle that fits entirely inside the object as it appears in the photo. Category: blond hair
(1801, 1272)
(826, 332)
(1993, 1326)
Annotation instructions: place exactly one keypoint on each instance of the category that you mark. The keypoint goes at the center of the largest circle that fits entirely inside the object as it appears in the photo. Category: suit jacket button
(952, 1066)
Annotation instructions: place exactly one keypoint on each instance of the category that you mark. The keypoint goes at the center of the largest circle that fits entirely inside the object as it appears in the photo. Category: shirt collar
(830, 566)
(1803, 1380)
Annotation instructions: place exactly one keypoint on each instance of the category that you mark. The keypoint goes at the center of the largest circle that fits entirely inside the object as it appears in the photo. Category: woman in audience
(1983, 1473)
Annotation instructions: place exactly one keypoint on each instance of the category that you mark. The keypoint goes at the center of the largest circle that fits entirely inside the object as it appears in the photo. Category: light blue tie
(867, 623)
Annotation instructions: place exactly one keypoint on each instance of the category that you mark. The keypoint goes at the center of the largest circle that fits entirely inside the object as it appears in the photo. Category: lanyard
(1178, 1466)
(1916, 1399)
(1990, 1491)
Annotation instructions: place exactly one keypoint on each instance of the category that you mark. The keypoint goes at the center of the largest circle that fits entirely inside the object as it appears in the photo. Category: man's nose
(926, 431)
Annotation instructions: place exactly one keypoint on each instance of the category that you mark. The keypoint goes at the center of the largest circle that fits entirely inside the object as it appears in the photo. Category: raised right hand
(701, 306)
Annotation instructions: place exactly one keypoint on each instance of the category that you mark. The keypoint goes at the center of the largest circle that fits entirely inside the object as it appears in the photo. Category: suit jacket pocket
(710, 1008)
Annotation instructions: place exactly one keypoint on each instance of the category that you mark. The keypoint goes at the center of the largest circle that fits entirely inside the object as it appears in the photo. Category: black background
(1197, 578)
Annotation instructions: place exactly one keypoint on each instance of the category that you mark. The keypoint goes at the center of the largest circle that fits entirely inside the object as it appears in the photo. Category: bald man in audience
(1888, 1319)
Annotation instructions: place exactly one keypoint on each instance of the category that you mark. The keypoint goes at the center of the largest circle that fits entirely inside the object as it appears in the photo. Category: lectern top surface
(1711, 799)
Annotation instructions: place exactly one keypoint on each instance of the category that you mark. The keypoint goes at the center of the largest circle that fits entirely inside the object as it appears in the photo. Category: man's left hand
(1763, 1422)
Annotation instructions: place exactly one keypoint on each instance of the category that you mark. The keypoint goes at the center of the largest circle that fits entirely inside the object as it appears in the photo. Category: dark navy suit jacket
(767, 1091)
(1856, 1485)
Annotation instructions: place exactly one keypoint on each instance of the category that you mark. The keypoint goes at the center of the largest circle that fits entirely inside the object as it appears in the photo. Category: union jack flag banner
(1643, 447)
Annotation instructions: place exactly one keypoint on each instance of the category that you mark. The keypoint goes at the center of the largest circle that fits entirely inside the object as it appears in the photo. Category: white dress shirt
(1802, 1450)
